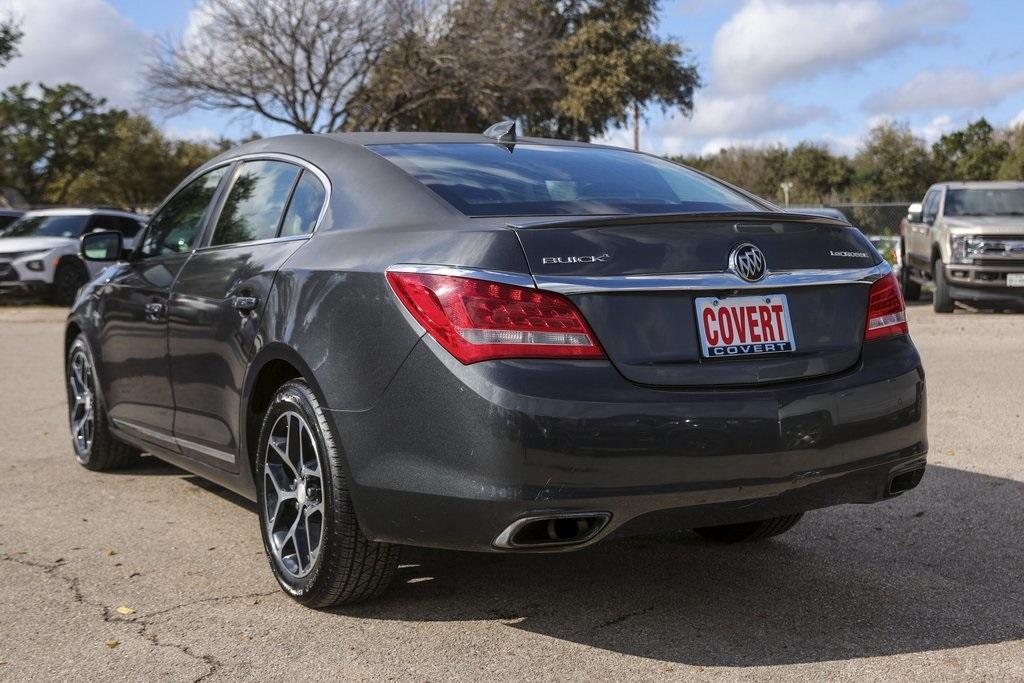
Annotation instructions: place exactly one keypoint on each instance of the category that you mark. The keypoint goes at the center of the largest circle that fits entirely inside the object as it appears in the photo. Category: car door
(132, 310)
(920, 244)
(216, 303)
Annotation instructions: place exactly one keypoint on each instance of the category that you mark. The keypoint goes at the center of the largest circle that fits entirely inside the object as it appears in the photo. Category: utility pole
(786, 187)
(636, 126)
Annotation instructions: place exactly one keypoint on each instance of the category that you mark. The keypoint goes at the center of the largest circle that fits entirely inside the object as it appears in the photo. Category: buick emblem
(748, 262)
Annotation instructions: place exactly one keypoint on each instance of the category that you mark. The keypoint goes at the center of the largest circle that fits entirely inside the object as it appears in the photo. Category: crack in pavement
(141, 622)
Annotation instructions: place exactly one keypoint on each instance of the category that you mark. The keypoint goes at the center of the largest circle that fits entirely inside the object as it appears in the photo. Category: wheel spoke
(293, 486)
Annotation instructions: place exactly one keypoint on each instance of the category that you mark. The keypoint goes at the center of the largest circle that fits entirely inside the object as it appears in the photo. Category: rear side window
(485, 179)
(256, 202)
(305, 206)
(175, 228)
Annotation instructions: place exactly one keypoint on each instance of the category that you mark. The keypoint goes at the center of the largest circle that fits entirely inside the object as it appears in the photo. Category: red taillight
(477, 320)
(887, 314)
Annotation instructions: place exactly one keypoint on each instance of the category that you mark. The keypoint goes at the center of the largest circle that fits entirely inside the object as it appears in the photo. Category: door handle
(244, 304)
(155, 311)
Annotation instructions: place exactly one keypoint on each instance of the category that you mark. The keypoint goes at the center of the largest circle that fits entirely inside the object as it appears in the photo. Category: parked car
(39, 251)
(8, 216)
(495, 344)
(968, 239)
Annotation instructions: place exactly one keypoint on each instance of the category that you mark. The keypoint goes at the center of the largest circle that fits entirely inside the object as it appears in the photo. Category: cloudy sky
(774, 70)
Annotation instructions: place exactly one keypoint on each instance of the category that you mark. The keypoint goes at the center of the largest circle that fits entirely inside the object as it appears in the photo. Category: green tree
(139, 166)
(48, 141)
(1012, 167)
(892, 164)
(611, 63)
(973, 153)
(818, 176)
(10, 35)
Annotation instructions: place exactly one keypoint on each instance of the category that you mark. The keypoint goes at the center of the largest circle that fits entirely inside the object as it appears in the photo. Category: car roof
(981, 184)
(83, 211)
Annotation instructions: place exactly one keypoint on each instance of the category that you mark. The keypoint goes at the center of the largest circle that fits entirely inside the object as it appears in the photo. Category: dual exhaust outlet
(553, 530)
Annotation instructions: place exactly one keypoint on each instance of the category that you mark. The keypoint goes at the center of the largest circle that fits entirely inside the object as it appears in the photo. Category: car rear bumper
(451, 455)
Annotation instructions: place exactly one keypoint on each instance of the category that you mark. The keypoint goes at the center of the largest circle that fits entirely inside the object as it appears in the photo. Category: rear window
(491, 179)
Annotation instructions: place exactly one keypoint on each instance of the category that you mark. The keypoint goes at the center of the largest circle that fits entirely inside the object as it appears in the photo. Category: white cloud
(745, 115)
(1018, 120)
(954, 87)
(768, 42)
(86, 42)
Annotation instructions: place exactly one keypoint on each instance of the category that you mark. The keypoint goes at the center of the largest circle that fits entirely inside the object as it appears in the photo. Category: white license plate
(1015, 279)
(744, 326)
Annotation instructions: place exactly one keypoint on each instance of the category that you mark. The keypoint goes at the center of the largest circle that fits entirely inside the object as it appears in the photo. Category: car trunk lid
(637, 280)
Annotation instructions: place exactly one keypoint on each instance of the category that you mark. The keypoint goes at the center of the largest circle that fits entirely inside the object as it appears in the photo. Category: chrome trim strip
(206, 450)
(145, 431)
(175, 441)
(503, 277)
(708, 281)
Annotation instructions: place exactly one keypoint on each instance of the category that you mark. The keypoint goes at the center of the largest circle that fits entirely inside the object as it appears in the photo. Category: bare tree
(296, 62)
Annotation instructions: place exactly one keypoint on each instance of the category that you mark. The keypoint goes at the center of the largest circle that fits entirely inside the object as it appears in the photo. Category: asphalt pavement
(153, 574)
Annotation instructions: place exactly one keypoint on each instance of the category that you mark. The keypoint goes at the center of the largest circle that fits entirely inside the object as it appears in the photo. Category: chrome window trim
(500, 276)
(271, 156)
(708, 281)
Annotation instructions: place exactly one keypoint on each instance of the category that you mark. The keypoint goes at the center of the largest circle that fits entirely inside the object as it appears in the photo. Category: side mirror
(915, 212)
(102, 246)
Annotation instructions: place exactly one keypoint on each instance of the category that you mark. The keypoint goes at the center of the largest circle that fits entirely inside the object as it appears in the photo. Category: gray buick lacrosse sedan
(492, 343)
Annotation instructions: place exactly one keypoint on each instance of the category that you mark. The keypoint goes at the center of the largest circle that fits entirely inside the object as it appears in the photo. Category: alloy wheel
(293, 495)
(82, 412)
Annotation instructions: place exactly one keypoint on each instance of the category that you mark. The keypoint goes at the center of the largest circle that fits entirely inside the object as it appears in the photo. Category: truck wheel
(750, 531)
(911, 289)
(95, 447)
(314, 543)
(67, 280)
(942, 301)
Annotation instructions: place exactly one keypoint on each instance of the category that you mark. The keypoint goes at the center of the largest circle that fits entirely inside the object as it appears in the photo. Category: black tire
(67, 280)
(750, 531)
(347, 567)
(911, 289)
(101, 450)
(942, 302)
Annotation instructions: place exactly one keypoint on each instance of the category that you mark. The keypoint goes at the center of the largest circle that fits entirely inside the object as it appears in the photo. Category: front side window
(485, 179)
(43, 225)
(985, 202)
(253, 208)
(175, 228)
(930, 209)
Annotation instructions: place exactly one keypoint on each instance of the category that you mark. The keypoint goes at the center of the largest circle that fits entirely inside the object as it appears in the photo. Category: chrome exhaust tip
(552, 530)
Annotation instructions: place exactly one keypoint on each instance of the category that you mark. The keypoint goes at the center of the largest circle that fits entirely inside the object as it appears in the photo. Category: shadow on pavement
(939, 568)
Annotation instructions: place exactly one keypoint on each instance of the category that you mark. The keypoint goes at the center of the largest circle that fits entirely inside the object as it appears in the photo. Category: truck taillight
(477, 320)
(887, 314)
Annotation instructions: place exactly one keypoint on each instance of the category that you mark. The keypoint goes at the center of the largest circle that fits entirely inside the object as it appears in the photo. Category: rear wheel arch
(275, 365)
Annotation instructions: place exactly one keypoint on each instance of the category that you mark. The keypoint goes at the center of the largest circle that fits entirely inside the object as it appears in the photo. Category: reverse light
(478, 320)
(887, 314)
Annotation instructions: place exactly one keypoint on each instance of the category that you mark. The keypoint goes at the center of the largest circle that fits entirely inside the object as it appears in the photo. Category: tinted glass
(980, 202)
(254, 206)
(126, 226)
(483, 179)
(175, 228)
(930, 208)
(35, 225)
(304, 208)
(6, 220)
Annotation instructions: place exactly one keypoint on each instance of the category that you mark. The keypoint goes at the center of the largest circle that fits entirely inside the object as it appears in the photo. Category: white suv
(39, 251)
